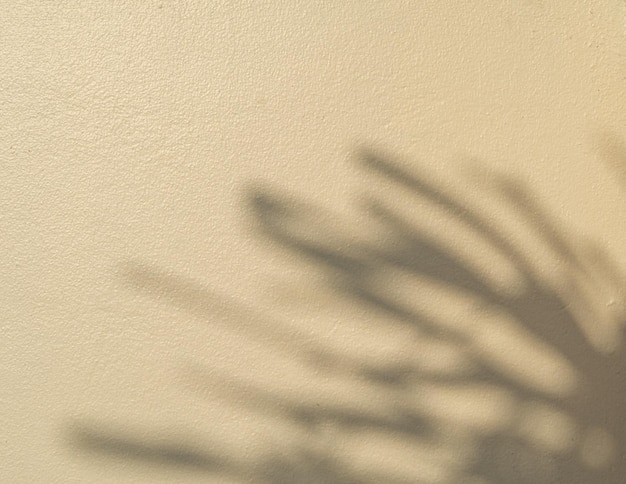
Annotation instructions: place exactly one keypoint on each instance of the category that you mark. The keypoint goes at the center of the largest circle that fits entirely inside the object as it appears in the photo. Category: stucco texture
(321, 242)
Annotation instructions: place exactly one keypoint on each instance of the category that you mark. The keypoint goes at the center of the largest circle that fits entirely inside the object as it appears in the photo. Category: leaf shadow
(580, 385)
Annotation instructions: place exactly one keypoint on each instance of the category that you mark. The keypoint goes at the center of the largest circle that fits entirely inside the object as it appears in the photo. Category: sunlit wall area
(321, 242)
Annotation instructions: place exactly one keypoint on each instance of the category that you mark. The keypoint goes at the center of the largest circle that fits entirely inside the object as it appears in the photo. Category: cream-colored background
(130, 133)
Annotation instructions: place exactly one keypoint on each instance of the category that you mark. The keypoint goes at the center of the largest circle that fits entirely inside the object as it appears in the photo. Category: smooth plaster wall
(140, 302)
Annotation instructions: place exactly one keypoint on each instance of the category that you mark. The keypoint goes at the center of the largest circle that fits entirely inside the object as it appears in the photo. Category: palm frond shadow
(562, 381)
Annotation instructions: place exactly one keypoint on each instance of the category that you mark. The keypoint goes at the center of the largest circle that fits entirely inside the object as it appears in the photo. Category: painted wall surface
(313, 241)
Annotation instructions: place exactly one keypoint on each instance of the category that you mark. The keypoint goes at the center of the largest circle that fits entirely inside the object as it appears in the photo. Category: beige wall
(152, 331)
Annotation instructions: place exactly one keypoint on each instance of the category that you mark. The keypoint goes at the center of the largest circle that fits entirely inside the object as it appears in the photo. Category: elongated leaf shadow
(92, 438)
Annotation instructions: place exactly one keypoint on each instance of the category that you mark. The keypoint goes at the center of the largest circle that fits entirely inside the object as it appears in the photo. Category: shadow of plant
(513, 330)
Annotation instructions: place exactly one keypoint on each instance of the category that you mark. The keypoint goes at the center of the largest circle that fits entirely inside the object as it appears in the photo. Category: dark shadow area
(562, 421)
